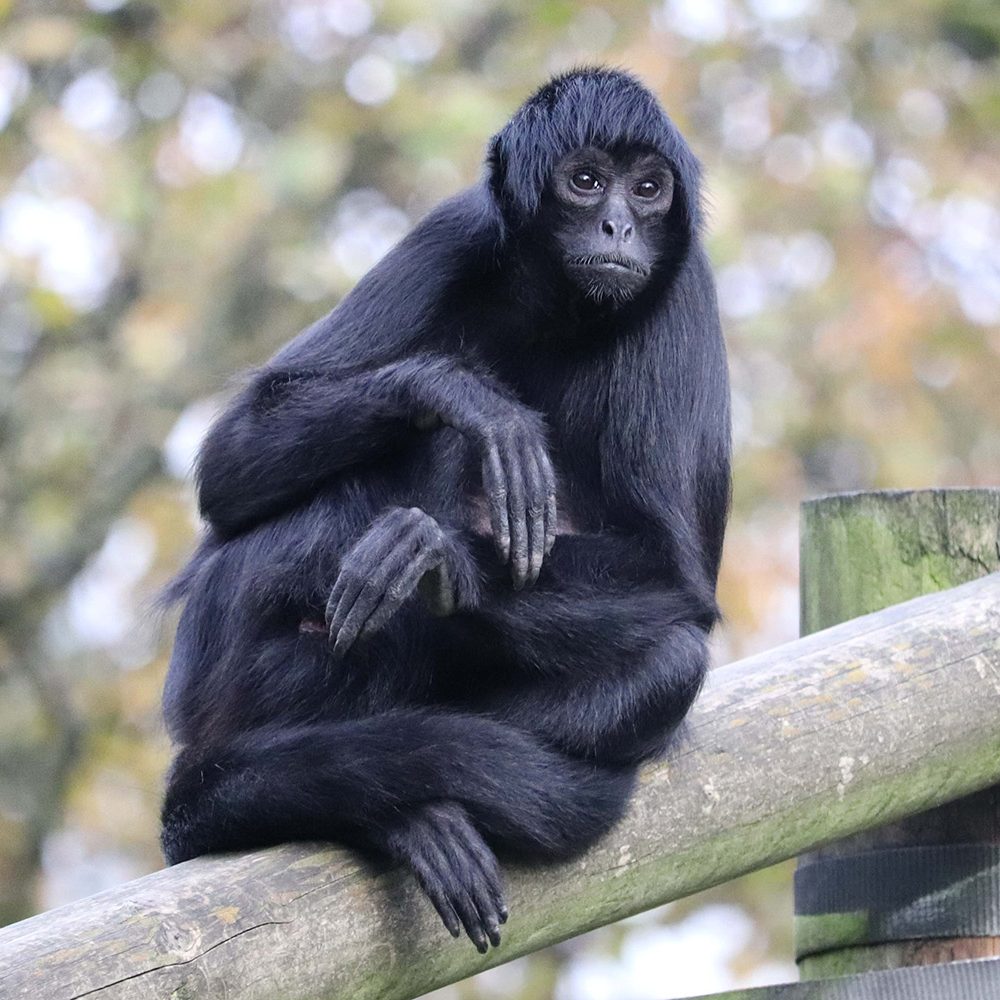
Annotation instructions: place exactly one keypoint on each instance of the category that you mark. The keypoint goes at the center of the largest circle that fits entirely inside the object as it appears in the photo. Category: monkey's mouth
(611, 261)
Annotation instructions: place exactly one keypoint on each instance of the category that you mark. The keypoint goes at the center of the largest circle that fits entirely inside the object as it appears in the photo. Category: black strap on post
(897, 894)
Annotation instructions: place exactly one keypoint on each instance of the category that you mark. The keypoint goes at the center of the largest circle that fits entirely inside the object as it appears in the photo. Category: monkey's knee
(657, 697)
(682, 663)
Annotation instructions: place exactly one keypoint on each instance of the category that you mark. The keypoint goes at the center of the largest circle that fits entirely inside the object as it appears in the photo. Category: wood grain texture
(848, 728)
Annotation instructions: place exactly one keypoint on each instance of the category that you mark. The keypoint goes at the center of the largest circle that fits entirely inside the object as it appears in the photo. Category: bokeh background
(186, 184)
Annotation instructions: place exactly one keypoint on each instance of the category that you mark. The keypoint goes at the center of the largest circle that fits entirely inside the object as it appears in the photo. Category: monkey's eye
(584, 180)
(646, 189)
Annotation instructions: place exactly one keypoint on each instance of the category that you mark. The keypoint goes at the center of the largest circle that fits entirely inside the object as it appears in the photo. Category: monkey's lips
(611, 262)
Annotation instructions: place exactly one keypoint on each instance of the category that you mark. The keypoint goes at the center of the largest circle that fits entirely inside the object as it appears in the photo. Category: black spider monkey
(391, 636)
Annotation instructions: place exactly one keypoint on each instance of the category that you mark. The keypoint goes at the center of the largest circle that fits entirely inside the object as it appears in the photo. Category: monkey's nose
(623, 230)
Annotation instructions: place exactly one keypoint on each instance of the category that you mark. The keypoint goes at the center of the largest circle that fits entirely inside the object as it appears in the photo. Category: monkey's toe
(457, 871)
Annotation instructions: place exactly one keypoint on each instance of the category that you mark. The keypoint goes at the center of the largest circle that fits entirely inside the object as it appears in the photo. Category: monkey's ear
(517, 171)
(498, 166)
(496, 163)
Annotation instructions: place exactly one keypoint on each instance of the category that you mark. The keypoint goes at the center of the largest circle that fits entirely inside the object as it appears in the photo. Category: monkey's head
(592, 173)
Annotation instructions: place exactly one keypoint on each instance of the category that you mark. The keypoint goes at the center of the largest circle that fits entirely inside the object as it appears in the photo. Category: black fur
(517, 722)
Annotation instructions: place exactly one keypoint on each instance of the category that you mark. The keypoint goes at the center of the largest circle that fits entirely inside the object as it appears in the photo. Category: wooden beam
(855, 726)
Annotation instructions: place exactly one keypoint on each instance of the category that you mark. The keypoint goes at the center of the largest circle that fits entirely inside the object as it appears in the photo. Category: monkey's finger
(518, 517)
(536, 515)
(473, 923)
(437, 588)
(348, 620)
(475, 912)
(448, 878)
(447, 593)
(357, 600)
(489, 868)
(495, 488)
(349, 616)
(350, 628)
(434, 889)
(483, 908)
(345, 591)
(440, 902)
(458, 839)
(398, 591)
(549, 475)
(377, 589)
(482, 898)
(414, 845)
(351, 579)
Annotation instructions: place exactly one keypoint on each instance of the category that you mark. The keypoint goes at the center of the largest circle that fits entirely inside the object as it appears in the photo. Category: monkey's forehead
(628, 157)
(595, 107)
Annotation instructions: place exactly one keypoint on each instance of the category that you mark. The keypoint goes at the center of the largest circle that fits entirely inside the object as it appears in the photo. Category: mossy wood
(860, 553)
(858, 725)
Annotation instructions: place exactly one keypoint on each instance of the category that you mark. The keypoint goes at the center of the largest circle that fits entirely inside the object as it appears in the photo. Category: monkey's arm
(288, 433)
(366, 381)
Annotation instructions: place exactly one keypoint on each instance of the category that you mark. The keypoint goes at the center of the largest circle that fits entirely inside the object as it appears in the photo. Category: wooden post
(860, 553)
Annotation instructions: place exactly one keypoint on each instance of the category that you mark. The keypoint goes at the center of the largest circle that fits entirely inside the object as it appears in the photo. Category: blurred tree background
(184, 185)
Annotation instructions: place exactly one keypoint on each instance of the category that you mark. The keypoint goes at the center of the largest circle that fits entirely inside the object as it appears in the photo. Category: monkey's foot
(456, 869)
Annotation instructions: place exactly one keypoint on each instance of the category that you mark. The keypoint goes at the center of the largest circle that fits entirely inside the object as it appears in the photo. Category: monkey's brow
(589, 156)
(651, 162)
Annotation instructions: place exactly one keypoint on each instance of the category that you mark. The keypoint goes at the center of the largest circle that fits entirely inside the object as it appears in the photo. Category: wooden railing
(858, 725)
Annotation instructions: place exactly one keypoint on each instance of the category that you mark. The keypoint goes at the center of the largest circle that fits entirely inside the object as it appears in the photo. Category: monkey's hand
(518, 478)
(403, 551)
(520, 488)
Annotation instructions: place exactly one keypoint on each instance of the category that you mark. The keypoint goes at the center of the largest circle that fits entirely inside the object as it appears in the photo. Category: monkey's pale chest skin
(480, 522)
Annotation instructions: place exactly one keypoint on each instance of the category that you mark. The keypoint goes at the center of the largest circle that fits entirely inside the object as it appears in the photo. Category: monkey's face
(607, 213)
